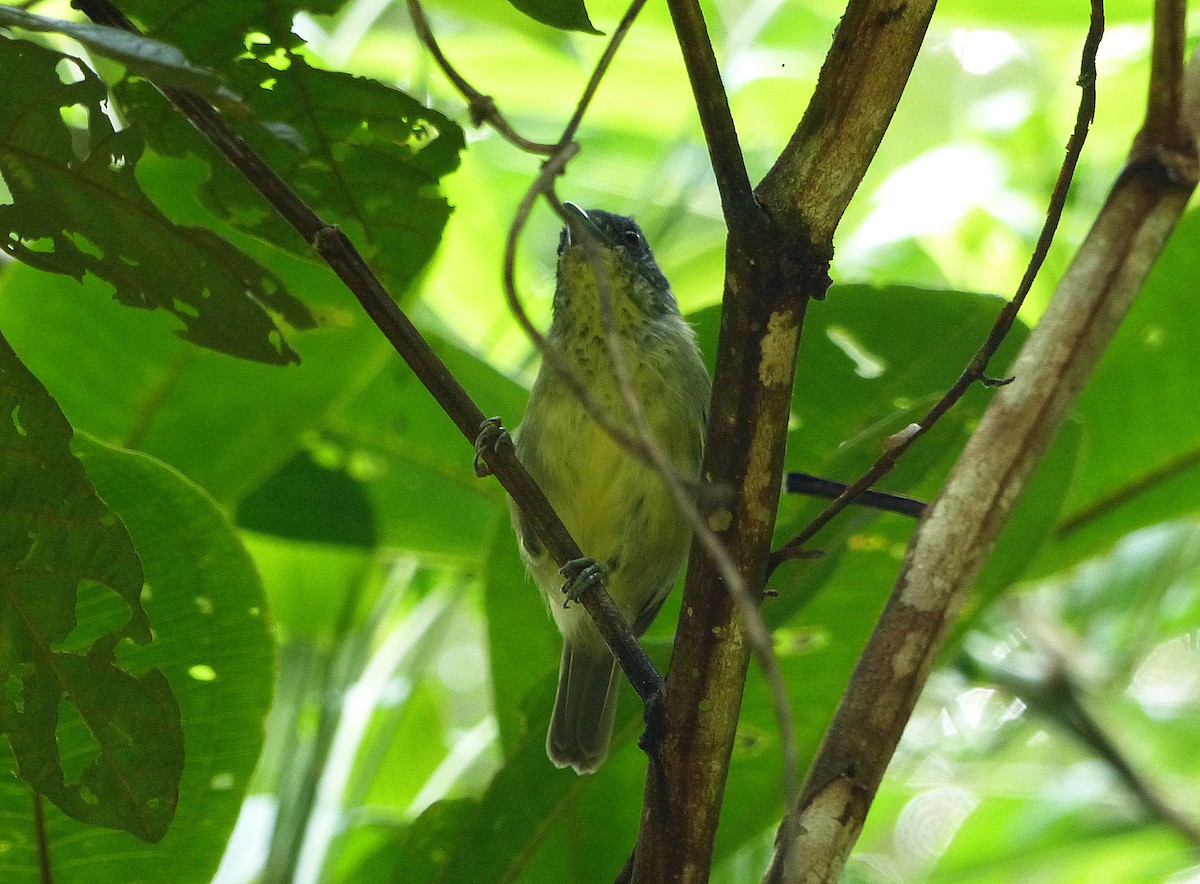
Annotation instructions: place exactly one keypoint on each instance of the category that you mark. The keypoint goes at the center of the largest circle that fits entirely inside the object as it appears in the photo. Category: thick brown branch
(953, 540)
(350, 267)
(1166, 73)
(774, 263)
(860, 85)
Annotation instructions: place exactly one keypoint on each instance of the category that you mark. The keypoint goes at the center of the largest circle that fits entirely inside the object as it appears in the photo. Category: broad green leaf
(59, 546)
(306, 500)
(227, 424)
(213, 644)
(390, 468)
(77, 209)
(164, 64)
(351, 409)
(1014, 838)
(857, 382)
(1140, 413)
(318, 592)
(567, 15)
(361, 154)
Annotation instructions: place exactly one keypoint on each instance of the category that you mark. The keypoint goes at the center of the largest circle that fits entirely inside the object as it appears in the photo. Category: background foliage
(314, 529)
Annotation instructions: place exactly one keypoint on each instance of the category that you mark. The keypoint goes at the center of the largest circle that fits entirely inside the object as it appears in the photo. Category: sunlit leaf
(215, 31)
(76, 208)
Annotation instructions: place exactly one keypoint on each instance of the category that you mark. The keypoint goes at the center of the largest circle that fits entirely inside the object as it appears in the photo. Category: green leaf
(216, 31)
(166, 65)
(363, 155)
(76, 208)
(306, 500)
(1140, 459)
(566, 15)
(213, 644)
(225, 423)
(857, 382)
(59, 543)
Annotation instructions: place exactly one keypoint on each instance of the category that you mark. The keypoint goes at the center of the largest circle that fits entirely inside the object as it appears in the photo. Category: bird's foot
(491, 434)
(582, 575)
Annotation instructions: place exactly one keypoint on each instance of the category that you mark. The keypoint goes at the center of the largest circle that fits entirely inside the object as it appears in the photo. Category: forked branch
(953, 540)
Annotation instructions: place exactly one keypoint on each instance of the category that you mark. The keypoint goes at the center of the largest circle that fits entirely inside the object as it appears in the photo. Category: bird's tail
(582, 724)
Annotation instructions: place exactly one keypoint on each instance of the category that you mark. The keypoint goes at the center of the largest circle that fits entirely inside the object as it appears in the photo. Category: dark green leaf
(164, 64)
(306, 500)
(363, 155)
(214, 645)
(77, 208)
(58, 540)
(216, 31)
(566, 15)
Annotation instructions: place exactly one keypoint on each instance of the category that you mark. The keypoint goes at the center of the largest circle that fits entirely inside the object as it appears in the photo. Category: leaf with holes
(76, 208)
(59, 542)
(363, 155)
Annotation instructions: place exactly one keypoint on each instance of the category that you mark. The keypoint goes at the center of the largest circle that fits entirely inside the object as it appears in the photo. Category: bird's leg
(655, 715)
(582, 574)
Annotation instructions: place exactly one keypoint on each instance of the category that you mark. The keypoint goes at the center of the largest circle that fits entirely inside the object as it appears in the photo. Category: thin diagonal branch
(1047, 684)
(977, 368)
(352, 269)
(482, 107)
(953, 540)
(815, 486)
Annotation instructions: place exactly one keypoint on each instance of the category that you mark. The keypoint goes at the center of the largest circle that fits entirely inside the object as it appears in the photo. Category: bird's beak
(578, 225)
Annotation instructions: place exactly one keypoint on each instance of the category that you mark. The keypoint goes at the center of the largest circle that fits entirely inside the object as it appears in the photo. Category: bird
(618, 509)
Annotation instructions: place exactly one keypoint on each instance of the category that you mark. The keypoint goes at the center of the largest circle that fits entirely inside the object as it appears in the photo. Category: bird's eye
(633, 239)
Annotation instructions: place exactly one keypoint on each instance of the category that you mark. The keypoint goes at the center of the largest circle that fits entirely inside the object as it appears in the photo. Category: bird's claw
(582, 575)
(491, 434)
